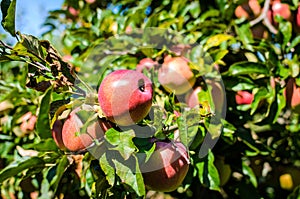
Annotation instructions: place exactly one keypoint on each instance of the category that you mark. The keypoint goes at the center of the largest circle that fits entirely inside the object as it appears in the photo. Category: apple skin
(217, 93)
(248, 10)
(298, 18)
(281, 9)
(70, 138)
(145, 63)
(167, 167)
(28, 122)
(57, 134)
(175, 75)
(125, 96)
(292, 95)
(243, 97)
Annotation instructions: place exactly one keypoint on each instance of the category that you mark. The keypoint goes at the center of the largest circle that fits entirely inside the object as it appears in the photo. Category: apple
(125, 96)
(90, 1)
(281, 9)
(145, 63)
(57, 134)
(28, 122)
(298, 17)
(175, 75)
(73, 11)
(180, 49)
(248, 10)
(244, 97)
(71, 137)
(217, 93)
(167, 167)
(292, 95)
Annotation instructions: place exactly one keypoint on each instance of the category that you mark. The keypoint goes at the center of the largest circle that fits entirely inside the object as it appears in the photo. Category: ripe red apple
(292, 94)
(298, 17)
(57, 134)
(125, 96)
(244, 97)
(28, 122)
(217, 94)
(145, 63)
(281, 9)
(71, 137)
(175, 75)
(248, 10)
(74, 12)
(167, 167)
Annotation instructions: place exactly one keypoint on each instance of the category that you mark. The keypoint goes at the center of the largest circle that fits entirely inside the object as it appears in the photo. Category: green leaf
(246, 68)
(294, 43)
(15, 169)
(131, 176)
(44, 145)
(187, 126)
(245, 35)
(30, 46)
(107, 169)
(122, 142)
(43, 121)
(285, 28)
(208, 173)
(8, 9)
(61, 168)
(249, 172)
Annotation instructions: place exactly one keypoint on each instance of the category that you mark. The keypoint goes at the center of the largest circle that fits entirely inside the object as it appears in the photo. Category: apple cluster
(252, 10)
(125, 99)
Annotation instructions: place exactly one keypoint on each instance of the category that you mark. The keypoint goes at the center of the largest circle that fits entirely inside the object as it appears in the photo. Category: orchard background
(250, 47)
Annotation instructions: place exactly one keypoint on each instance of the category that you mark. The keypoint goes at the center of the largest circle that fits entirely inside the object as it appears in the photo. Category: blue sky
(30, 15)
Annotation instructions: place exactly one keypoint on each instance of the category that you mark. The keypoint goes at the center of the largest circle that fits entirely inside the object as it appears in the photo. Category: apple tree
(152, 99)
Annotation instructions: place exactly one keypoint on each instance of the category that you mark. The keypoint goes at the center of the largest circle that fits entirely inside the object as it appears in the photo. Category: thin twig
(263, 14)
(270, 26)
(264, 17)
(5, 45)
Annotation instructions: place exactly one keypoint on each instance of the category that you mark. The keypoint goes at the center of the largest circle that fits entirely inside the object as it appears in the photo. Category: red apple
(297, 21)
(145, 63)
(125, 96)
(243, 97)
(167, 167)
(248, 10)
(57, 134)
(217, 94)
(74, 12)
(298, 17)
(281, 9)
(90, 1)
(72, 139)
(28, 122)
(292, 94)
(175, 75)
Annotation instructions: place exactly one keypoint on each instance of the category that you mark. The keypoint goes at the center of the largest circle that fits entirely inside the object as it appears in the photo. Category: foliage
(259, 141)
